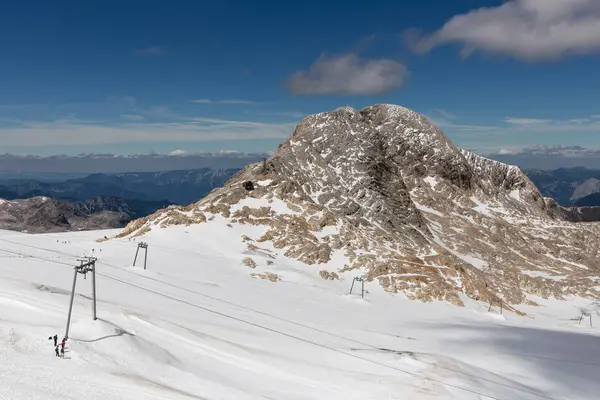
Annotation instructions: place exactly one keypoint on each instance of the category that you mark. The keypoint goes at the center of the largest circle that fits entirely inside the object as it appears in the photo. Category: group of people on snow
(56, 346)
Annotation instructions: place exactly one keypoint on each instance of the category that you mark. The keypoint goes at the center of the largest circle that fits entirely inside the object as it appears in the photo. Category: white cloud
(81, 132)
(178, 153)
(553, 150)
(572, 125)
(132, 117)
(347, 74)
(506, 151)
(525, 121)
(550, 157)
(531, 30)
(235, 124)
(201, 101)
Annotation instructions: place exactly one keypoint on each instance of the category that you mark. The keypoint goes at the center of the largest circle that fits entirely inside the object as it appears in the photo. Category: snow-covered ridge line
(398, 190)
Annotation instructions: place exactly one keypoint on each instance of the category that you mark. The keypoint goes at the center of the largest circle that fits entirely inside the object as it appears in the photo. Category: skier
(56, 351)
(62, 347)
(55, 337)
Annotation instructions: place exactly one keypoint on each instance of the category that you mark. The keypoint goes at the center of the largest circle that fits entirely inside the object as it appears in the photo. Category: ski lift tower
(360, 279)
(87, 265)
(141, 245)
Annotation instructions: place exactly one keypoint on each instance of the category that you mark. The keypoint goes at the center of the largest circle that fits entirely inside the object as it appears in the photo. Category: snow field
(196, 325)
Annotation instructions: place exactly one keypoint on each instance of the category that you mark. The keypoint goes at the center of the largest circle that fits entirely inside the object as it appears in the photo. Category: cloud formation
(550, 157)
(111, 163)
(525, 121)
(530, 30)
(556, 126)
(347, 74)
(151, 51)
(81, 132)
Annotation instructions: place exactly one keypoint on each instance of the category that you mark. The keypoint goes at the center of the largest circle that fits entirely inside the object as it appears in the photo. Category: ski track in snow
(195, 325)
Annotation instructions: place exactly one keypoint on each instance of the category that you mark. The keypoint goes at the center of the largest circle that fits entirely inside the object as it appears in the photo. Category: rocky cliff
(407, 208)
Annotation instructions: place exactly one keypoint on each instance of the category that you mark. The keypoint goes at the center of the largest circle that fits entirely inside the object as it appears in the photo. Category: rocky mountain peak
(387, 190)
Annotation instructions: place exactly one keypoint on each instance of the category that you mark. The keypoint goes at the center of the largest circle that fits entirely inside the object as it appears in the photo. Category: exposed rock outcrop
(408, 209)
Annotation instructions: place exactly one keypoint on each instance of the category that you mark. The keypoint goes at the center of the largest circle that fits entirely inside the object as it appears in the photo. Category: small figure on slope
(56, 351)
(62, 348)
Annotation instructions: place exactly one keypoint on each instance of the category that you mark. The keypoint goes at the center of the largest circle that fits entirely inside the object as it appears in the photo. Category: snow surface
(545, 275)
(196, 325)
(264, 182)
(474, 261)
(428, 210)
(515, 194)
(431, 180)
(276, 204)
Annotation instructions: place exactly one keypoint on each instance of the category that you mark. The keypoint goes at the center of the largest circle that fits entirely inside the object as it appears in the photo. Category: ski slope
(197, 325)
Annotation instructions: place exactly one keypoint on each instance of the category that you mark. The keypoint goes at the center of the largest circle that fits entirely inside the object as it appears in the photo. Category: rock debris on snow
(432, 221)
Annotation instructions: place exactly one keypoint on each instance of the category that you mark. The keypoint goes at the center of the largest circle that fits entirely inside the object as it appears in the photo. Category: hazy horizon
(50, 167)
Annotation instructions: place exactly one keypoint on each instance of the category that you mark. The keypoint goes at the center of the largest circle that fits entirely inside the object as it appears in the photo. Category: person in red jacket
(62, 347)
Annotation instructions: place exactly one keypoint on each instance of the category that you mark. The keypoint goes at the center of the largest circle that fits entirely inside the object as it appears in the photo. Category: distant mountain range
(43, 214)
(176, 187)
(568, 186)
(100, 201)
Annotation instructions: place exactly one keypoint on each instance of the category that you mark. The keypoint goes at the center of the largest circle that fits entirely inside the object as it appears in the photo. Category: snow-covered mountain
(588, 187)
(246, 294)
(384, 192)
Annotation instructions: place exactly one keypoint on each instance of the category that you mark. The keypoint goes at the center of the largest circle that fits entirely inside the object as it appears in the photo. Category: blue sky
(133, 76)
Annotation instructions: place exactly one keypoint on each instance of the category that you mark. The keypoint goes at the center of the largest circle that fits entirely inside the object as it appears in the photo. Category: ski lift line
(39, 258)
(316, 343)
(310, 341)
(317, 329)
(183, 252)
(276, 317)
(325, 332)
(39, 248)
(293, 322)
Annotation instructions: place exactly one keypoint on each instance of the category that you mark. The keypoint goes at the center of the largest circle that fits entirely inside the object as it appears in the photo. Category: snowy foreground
(196, 325)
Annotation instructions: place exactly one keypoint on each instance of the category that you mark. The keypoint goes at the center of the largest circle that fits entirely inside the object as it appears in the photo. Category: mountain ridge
(384, 192)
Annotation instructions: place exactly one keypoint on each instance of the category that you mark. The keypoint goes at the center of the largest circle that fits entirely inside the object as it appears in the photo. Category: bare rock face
(249, 262)
(407, 208)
